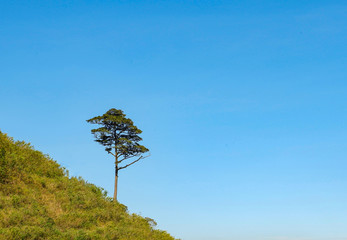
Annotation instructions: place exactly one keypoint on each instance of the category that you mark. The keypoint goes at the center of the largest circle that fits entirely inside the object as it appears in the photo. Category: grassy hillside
(39, 201)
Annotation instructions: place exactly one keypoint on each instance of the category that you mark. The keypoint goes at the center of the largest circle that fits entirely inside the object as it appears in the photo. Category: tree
(120, 137)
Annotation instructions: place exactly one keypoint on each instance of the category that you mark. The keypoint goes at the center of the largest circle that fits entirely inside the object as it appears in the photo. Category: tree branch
(142, 157)
(111, 153)
(125, 158)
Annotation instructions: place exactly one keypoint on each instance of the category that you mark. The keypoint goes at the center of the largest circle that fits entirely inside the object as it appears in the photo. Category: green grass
(39, 201)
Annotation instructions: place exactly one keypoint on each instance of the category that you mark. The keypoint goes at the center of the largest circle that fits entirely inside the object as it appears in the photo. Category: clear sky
(242, 104)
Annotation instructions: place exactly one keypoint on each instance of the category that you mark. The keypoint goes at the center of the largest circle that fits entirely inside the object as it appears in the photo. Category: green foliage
(4, 168)
(118, 133)
(39, 201)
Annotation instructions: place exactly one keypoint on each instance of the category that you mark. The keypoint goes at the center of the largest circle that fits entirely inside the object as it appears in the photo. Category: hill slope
(39, 201)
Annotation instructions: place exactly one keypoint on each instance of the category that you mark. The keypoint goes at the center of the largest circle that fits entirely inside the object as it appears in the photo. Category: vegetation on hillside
(39, 201)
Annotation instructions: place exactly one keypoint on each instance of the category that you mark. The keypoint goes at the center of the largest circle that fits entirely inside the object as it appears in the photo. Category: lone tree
(120, 137)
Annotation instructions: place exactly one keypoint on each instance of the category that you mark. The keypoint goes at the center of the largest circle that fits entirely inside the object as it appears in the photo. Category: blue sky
(242, 105)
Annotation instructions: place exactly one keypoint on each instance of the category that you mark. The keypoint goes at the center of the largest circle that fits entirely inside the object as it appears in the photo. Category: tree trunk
(116, 175)
(115, 188)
